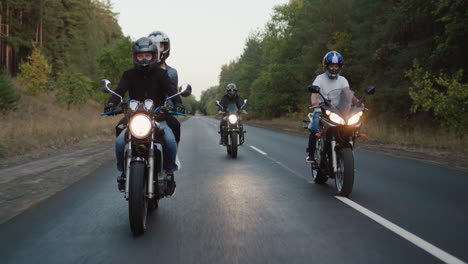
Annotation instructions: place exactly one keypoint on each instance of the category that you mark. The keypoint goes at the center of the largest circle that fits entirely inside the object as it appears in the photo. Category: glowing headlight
(140, 126)
(355, 118)
(337, 119)
(232, 119)
(328, 112)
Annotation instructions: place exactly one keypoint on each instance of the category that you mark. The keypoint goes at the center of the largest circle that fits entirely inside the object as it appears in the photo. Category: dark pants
(174, 124)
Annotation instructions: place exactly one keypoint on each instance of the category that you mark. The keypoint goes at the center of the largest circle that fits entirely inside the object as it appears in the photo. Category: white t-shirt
(327, 85)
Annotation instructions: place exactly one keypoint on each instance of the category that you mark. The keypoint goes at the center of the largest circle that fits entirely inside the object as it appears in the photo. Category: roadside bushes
(9, 97)
(34, 73)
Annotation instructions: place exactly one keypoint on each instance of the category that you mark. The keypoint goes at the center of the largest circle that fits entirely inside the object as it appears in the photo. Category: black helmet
(332, 57)
(160, 37)
(231, 87)
(145, 45)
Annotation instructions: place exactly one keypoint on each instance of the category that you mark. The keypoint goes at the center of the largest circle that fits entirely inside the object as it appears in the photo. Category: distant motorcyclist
(163, 43)
(327, 81)
(231, 97)
(145, 81)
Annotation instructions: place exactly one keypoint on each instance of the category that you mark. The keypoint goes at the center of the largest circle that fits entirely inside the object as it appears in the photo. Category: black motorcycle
(232, 132)
(145, 182)
(339, 126)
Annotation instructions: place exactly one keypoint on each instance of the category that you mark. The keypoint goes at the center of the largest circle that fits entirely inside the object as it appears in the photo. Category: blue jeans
(169, 149)
(313, 129)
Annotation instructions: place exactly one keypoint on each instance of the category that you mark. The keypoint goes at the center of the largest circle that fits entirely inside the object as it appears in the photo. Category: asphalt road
(259, 208)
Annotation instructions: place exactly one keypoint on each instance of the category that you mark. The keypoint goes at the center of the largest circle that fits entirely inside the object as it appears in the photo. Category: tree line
(54, 45)
(413, 51)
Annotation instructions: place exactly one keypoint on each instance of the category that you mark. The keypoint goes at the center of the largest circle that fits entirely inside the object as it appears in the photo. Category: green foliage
(208, 98)
(191, 104)
(73, 88)
(445, 95)
(379, 41)
(115, 59)
(35, 73)
(9, 97)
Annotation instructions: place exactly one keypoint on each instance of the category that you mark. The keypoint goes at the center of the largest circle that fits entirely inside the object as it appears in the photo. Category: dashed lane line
(258, 150)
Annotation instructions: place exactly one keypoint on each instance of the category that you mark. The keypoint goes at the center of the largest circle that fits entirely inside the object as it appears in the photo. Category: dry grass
(39, 123)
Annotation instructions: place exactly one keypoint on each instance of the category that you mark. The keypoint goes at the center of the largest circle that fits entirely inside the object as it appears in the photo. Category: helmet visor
(142, 56)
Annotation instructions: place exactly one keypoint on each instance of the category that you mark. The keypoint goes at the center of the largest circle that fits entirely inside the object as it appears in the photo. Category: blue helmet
(332, 57)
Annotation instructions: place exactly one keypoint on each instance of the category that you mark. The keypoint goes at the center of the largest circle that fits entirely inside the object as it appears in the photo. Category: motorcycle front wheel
(137, 200)
(344, 178)
(233, 148)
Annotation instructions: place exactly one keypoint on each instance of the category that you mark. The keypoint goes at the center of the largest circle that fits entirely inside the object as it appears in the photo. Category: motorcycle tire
(344, 178)
(234, 142)
(137, 200)
(318, 176)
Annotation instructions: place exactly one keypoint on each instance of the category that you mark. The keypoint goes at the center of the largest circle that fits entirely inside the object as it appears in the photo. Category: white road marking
(431, 249)
(258, 150)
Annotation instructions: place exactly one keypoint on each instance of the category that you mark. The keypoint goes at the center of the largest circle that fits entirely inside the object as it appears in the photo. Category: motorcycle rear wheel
(344, 178)
(137, 199)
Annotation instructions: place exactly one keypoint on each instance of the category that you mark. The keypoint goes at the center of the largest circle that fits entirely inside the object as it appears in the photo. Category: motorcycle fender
(139, 159)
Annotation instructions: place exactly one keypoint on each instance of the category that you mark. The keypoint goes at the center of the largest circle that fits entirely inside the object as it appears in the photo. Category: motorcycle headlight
(337, 119)
(232, 119)
(140, 126)
(355, 118)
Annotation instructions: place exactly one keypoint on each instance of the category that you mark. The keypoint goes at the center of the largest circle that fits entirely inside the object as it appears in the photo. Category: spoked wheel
(344, 179)
(137, 200)
(233, 149)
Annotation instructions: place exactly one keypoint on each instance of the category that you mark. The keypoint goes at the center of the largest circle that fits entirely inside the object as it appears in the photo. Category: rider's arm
(166, 86)
(314, 100)
(239, 102)
(354, 97)
(223, 101)
(123, 87)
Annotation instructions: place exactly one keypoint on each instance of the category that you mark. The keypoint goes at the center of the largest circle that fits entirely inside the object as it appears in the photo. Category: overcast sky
(205, 34)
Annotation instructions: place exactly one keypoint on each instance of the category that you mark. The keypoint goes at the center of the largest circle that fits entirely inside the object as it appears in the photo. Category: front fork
(127, 168)
(334, 163)
(151, 169)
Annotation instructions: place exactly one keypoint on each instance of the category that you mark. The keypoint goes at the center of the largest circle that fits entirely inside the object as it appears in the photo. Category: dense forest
(413, 51)
(55, 45)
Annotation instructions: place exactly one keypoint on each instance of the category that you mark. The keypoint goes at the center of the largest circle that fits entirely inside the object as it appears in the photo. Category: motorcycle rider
(231, 97)
(146, 81)
(327, 81)
(164, 46)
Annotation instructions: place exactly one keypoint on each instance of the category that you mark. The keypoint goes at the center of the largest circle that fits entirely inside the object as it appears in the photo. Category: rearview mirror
(185, 90)
(370, 90)
(314, 89)
(106, 86)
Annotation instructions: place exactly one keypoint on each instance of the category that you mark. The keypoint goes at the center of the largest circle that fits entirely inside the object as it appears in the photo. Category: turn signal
(318, 134)
(362, 135)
